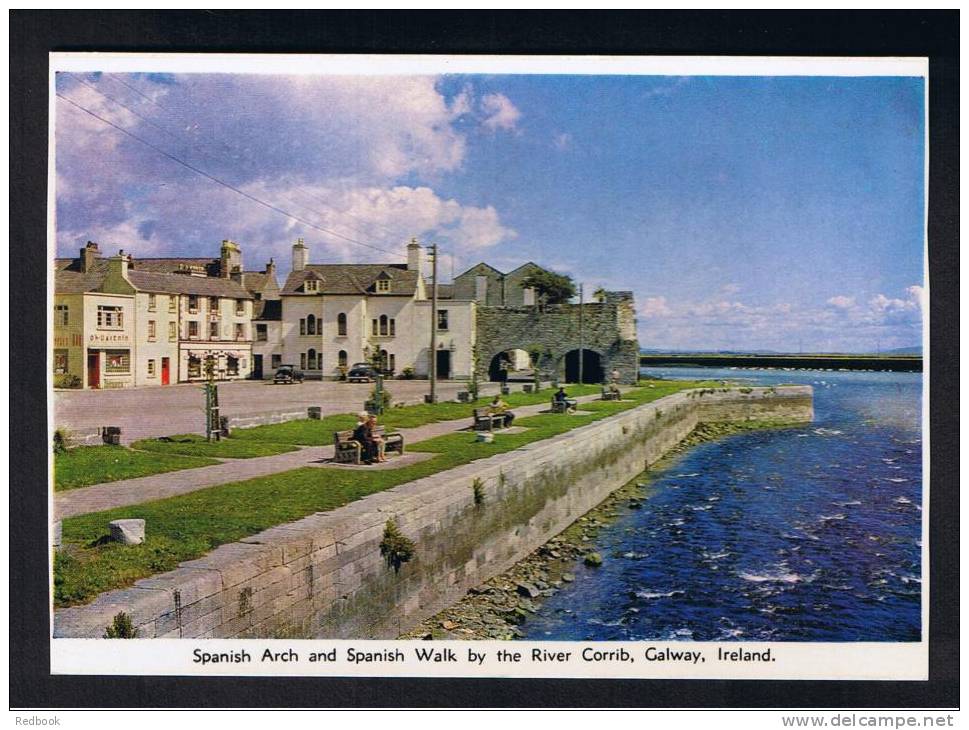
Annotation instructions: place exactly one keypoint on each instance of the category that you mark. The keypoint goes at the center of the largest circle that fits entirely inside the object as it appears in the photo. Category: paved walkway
(159, 486)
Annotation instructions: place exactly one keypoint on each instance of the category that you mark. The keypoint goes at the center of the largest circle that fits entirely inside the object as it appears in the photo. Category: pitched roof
(206, 286)
(69, 279)
(478, 265)
(256, 281)
(172, 265)
(353, 279)
(270, 310)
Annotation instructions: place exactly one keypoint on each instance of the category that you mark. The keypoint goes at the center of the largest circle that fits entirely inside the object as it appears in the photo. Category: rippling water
(803, 534)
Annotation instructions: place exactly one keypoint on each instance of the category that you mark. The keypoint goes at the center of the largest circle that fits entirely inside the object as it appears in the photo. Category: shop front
(201, 363)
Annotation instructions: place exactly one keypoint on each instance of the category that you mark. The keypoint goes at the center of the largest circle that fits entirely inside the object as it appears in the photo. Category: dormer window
(312, 285)
(383, 285)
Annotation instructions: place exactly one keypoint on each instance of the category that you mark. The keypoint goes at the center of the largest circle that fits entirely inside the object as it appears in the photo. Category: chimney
(300, 254)
(230, 261)
(89, 254)
(414, 256)
(119, 265)
(271, 269)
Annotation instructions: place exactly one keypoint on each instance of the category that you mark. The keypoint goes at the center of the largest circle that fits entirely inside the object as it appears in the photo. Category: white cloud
(842, 302)
(501, 112)
(562, 141)
(654, 307)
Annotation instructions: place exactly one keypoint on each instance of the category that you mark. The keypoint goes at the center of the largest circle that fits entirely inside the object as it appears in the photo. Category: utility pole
(581, 353)
(432, 372)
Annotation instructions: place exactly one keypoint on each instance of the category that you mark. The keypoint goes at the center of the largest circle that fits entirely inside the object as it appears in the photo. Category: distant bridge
(903, 363)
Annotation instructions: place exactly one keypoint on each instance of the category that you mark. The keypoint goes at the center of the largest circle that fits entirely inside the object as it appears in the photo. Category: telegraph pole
(432, 372)
(581, 353)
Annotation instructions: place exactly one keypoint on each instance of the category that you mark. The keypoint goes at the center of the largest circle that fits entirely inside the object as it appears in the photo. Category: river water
(811, 533)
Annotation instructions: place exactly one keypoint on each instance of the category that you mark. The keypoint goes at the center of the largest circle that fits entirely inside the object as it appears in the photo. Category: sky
(745, 213)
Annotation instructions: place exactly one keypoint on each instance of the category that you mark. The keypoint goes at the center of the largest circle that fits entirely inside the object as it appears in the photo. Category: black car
(361, 372)
(288, 374)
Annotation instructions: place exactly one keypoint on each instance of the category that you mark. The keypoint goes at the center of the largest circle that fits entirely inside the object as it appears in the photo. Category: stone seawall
(324, 577)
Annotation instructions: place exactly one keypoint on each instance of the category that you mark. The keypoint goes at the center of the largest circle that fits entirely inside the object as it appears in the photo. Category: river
(811, 533)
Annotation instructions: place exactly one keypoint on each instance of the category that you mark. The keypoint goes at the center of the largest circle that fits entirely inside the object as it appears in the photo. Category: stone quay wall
(324, 577)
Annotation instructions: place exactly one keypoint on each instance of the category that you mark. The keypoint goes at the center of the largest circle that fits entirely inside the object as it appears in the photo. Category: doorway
(592, 369)
(166, 378)
(443, 364)
(257, 367)
(94, 369)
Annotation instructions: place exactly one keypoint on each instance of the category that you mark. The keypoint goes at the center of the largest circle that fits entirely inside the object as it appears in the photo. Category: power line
(237, 151)
(225, 184)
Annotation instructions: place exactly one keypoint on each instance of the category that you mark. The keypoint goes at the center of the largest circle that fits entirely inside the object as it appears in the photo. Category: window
(151, 330)
(341, 324)
(257, 296)
(302, 326)
(214, 305)
(383, 325)
(62, 316)
(60, 362)
(262, 333)
(311, 360)
(173, 303)
(441, 319)
(392, 363)
(110, 318)
(374, 322)
(277, 360)
(231, 365)
(393, 327)
(240, 331)
(172, 332)
(312, 285)
(213, 330)
(383, 360)
(151, 302)
(194, 366)
(240, 307)
(383, 285)
(117, 361)
(311, 325)
(151, 368)
(302, 361)
(193, 303)
(193, 330)
(342, 358)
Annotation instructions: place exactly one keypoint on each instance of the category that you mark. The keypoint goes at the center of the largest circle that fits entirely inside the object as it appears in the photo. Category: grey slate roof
(206, 286)
(171, 265)
(68, 278)
(352, 279)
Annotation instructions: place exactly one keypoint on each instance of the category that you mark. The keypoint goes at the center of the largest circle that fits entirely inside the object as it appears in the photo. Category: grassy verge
(191, 444)
(188, 526)
(87, 465)
(320, 433)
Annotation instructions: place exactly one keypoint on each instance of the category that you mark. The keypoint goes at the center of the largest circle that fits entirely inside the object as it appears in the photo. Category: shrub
(407, 373)
(60, 440)
(395, 547)
(121, 628)
(67, 381)
(477, 486)
(386, 399)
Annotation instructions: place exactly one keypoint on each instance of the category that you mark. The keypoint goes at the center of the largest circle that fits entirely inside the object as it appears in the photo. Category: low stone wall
(74, 437)
(250, 420)
(324, 577)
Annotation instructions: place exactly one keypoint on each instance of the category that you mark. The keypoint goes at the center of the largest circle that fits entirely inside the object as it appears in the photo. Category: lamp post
(432, 369)
(581, 353)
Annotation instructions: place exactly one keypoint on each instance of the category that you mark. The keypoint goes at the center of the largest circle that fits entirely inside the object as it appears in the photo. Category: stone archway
(593, 366)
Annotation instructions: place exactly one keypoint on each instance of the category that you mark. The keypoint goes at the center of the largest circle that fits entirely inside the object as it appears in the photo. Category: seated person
(361, 434)
(499, 407)
(613, 388)
(562, 397)
(376, 440)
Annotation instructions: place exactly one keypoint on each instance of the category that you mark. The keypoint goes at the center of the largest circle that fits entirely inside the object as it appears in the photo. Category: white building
(335, 315)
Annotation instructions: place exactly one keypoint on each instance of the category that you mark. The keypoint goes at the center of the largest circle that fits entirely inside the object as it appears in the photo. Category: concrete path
(159, 486)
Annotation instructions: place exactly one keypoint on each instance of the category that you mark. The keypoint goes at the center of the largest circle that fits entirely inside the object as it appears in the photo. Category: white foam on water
(650, 594)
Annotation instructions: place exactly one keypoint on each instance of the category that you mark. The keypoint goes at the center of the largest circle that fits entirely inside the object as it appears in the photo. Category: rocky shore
(495, 609)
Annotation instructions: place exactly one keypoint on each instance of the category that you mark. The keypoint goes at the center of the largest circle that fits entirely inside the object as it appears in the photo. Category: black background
(33, 34)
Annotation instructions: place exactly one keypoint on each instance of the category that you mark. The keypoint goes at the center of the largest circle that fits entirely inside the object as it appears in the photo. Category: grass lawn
(308, 432)
(190, 444)
(87, 465)
(188, 526)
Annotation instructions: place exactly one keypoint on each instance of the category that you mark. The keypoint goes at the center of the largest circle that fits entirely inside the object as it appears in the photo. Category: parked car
(288, 374)
(362, 372)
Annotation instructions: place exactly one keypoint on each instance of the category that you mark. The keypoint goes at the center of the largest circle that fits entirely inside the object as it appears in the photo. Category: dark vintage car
(361, 372)
(288, 374)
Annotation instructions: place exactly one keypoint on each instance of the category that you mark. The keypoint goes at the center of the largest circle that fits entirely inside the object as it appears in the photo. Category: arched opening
(311, 325)
(514, 364)
(383, 325)
(592, 369)
(341, 324)
(342, 358)
(311, 359)
(383, 361)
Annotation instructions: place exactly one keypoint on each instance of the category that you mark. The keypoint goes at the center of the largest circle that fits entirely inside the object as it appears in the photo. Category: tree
(557, 288)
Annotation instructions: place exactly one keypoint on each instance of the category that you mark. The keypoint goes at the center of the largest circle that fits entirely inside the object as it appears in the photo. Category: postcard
(488, 366)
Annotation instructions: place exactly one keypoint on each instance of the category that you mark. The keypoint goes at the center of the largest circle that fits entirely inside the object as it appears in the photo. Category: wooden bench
(608, 394)
(560, 406)
(485, 420)
(348, 450)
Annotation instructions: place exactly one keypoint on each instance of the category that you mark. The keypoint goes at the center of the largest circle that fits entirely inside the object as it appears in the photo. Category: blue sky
(747, 213)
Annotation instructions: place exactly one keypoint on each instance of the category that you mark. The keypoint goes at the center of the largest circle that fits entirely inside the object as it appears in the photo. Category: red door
(164, 371)
(94, 370)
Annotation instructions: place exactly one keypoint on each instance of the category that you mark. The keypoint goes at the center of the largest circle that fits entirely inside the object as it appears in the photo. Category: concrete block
(128, 532)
